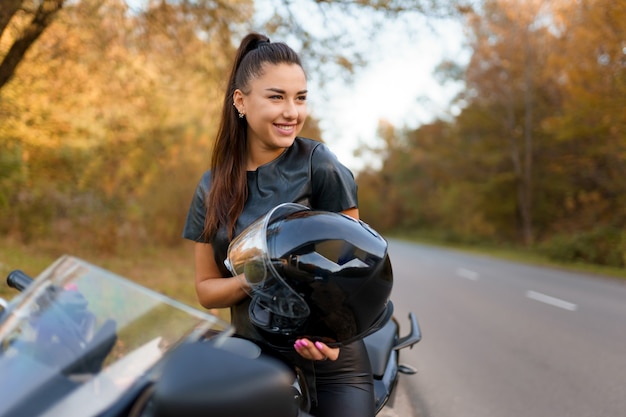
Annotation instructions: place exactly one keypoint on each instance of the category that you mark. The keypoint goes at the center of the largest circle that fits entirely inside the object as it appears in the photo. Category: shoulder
(205, 182)
(306, 145)
(202, 188)
(206, 177)
(306, 152)
(317, 151)
(194, 223)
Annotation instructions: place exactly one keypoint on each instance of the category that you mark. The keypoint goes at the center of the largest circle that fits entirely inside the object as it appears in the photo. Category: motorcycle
(81, 341)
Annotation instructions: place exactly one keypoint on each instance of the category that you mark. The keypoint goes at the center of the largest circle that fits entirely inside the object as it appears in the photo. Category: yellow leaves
(540, 146)
(112, 107)
(581, 200)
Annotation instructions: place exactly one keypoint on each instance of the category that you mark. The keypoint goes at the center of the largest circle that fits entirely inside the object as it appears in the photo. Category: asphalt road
(502, 339)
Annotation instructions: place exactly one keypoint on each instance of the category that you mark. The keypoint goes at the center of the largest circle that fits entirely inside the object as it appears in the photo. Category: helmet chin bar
(280, 311)
(281, 332)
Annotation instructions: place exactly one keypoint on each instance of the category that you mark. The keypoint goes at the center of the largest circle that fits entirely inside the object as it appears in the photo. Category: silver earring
(240, 113)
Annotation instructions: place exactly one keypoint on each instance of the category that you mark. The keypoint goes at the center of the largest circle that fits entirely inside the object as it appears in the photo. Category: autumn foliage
(106, 124)
(537, 153)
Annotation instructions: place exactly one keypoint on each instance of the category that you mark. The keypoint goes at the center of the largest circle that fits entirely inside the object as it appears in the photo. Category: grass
(516, 254)
(169, 271)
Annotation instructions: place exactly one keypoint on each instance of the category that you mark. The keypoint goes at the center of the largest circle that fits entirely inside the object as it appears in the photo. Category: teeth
(285, 127)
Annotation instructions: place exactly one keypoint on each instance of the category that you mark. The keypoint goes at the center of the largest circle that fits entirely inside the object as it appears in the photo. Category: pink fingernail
(319, 345)
(303, 343)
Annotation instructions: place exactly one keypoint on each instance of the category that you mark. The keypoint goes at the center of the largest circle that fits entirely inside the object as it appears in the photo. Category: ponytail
(229, 190)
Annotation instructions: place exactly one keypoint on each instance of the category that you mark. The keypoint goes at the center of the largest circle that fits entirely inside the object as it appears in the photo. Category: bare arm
(214, 290)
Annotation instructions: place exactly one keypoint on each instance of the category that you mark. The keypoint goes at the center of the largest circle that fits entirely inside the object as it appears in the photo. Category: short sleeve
(333, 184)
(194, 224)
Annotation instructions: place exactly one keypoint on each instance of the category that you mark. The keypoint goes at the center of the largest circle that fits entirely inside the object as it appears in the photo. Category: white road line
(553, 301)
(466, 273)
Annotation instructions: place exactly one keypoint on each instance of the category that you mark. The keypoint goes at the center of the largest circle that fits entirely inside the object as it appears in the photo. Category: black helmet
(315, 274)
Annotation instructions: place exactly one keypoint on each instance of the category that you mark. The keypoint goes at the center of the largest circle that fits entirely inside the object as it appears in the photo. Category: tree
(505, 76)
(105, 124)
(107, 112)
(23, 21)
(27, 20)
(590, 129)
(537, 153)
(334, 36)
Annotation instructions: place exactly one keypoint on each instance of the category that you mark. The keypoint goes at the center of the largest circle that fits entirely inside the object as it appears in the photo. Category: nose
(290, 110)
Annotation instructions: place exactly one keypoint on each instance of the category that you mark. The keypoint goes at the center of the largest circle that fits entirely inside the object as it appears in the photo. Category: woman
(259, 162)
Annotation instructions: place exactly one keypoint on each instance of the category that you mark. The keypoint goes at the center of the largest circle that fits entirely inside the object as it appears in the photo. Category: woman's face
(275, 109)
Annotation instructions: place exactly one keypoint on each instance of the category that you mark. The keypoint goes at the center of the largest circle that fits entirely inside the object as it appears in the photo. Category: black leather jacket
(307, 173)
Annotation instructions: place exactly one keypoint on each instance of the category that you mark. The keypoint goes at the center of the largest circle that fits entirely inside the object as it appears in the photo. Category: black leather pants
(345, 387)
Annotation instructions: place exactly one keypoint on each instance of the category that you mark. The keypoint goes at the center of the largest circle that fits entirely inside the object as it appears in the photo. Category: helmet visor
(275, 305)
(248, 253)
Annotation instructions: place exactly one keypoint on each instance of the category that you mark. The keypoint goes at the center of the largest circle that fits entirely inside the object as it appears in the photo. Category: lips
(285, 128)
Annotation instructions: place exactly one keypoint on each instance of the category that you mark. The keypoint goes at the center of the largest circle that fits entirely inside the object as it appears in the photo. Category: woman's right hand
(315, 351)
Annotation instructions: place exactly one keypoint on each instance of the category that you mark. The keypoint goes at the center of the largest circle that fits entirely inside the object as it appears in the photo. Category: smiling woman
(259, 162)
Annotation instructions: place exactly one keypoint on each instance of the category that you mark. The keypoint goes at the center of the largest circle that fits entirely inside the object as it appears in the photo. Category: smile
(285, 127)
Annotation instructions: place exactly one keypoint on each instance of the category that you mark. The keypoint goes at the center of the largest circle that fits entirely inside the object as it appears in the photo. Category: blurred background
(495, 123)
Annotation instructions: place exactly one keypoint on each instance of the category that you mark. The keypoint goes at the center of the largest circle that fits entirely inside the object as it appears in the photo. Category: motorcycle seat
(379, 346)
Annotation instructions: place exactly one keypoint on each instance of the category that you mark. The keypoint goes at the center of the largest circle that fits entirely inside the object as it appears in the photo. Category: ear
(238, 100)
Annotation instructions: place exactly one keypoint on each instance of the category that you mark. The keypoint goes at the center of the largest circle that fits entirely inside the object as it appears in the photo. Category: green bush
(602, 246)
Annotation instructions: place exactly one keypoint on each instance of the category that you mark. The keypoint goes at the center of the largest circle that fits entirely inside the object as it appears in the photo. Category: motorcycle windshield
(79, 337)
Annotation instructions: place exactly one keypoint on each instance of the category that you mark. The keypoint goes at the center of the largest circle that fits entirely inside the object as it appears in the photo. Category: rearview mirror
(201, 380)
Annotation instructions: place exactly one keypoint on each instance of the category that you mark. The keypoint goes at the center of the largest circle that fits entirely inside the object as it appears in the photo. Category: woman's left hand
(315, 351)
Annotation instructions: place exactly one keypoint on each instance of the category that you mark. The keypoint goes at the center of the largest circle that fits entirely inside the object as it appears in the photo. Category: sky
(398, 86)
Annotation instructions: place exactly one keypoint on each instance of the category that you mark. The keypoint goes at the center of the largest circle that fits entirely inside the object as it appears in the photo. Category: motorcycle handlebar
(19, 280)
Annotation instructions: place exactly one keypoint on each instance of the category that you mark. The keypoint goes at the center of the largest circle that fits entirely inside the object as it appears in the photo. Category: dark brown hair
(229, 191)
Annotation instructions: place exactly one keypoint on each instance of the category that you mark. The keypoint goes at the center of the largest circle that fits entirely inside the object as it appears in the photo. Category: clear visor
(248, 253)
(275, 306)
